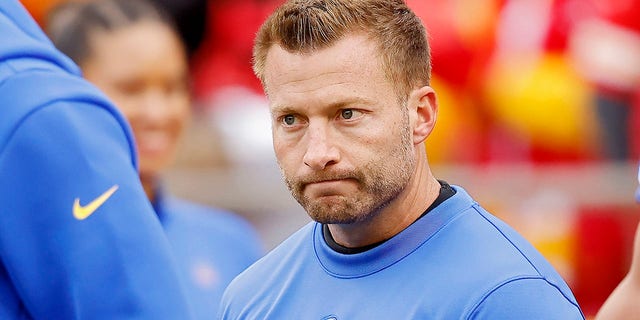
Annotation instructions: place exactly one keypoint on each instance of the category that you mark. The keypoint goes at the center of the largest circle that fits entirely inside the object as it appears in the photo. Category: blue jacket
(78, 238)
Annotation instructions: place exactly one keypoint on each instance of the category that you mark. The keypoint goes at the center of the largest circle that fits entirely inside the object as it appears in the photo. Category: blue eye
(347, 113)
(289, 119)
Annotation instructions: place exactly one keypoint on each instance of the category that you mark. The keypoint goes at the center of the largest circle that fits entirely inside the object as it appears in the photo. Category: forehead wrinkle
(292, 85)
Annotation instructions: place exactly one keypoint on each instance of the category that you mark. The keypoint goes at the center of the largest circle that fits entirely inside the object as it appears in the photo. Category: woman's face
(143, 69)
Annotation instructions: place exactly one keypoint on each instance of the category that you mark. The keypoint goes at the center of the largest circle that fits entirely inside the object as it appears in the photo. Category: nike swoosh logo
(83, 212)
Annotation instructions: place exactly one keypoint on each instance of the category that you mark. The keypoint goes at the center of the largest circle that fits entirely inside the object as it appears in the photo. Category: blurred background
(539, 120)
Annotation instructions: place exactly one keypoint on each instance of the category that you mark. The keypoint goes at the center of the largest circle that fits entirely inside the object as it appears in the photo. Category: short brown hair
(304, 26)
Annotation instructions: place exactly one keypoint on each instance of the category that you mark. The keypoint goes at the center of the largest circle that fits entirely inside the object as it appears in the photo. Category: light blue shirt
(456, 262)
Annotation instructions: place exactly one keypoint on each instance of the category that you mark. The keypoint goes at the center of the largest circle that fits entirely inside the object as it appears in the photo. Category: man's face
(342, 139)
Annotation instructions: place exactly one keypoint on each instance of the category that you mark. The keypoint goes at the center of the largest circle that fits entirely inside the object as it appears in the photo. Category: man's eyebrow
(284, 109)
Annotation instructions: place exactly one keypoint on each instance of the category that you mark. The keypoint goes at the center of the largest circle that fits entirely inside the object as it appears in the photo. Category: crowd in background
(534, 81)
(518, 81)
(538, 82)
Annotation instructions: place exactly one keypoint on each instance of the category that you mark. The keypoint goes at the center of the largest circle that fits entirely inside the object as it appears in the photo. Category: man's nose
(321, 150)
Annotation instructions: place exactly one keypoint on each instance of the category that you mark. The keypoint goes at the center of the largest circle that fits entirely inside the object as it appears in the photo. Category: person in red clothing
(603, 40)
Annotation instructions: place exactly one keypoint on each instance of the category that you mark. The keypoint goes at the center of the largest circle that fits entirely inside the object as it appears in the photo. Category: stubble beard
(380, 181)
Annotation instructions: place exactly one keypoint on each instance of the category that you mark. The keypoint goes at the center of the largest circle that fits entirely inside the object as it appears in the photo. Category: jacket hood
(22, 39)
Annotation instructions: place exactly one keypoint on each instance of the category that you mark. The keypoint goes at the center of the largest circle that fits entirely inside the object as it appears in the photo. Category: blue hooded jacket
(78, 237)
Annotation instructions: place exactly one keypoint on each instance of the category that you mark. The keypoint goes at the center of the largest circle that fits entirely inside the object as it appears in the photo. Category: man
(78, 238)
(348, 88)
(623, 302)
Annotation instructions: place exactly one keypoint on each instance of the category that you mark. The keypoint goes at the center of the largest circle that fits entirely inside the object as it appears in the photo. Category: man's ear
(423, 102)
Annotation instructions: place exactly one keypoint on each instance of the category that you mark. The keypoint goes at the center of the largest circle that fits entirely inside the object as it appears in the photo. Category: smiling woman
(131, 51)
(148, 83)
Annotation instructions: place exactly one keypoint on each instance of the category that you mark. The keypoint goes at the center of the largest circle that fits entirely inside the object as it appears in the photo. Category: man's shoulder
(269, 274)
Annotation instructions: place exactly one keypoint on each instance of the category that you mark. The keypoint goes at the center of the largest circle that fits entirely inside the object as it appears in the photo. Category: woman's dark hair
(70, 24)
